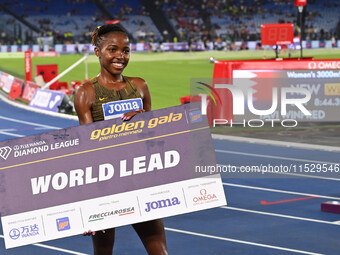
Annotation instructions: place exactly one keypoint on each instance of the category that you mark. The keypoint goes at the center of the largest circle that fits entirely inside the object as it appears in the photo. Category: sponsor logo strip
(176, 198)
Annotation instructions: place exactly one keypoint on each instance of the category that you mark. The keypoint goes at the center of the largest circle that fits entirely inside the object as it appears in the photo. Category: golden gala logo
(127, 128)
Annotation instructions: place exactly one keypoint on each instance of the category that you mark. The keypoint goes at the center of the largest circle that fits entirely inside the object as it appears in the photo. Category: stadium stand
(11, 30)
(186, 19)
(63, 19)
(71, 21)
(134, 18)
(6, 28)
(241, 20)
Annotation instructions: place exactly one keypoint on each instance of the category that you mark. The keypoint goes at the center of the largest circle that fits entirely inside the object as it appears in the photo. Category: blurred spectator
(204, 20)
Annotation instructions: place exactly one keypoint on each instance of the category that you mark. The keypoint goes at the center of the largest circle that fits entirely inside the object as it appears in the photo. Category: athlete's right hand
(129, 115)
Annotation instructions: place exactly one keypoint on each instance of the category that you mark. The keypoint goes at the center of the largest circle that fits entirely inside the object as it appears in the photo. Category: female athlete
(112, 47)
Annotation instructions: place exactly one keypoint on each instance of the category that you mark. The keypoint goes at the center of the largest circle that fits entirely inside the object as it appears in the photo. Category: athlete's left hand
(91, 233)
(129, 115)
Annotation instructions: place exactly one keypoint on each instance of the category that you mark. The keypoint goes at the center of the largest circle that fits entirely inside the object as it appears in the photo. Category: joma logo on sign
(162, 204)
(4, 152)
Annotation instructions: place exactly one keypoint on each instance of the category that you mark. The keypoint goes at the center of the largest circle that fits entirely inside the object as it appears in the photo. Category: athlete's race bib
(116, 109)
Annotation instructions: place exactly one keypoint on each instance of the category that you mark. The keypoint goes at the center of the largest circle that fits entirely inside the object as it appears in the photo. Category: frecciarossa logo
(163, 203)
(115, 109)
(118, 212)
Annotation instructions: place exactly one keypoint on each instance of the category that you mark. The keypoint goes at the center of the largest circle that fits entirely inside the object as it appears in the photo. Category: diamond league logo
(5, 151)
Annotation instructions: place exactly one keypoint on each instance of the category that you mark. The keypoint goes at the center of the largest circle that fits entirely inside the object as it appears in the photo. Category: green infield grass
(167, 74)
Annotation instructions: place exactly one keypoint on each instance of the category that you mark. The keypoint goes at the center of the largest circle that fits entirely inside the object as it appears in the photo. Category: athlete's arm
(143, 89)
(83, 101)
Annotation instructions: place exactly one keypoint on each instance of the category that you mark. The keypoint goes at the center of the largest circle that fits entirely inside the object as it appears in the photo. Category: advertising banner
(29, 91)
(182, 46)
(16, 89)
(6, 82)
(28, 66)
(107, 174)
(45, 54)
(47, 100)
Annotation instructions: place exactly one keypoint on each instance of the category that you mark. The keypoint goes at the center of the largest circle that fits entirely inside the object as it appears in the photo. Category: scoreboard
(262, 77)
(277, 34)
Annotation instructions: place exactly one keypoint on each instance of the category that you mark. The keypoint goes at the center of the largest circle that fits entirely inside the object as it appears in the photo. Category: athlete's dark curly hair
(102, 30)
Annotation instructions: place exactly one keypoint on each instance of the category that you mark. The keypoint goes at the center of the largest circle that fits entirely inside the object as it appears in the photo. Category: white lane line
(56, 248)
(29, 123)
(276, 143)
(279, 191)
(280, 215)
(59, 249)
(5, 132)
(241, 241)
(292, 174)
(311, 176)
(274, 157)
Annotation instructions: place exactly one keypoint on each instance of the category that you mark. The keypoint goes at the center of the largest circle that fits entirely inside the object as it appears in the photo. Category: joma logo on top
(117, 108)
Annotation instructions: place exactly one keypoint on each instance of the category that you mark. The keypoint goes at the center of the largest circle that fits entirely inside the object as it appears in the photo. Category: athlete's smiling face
(114, 52)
